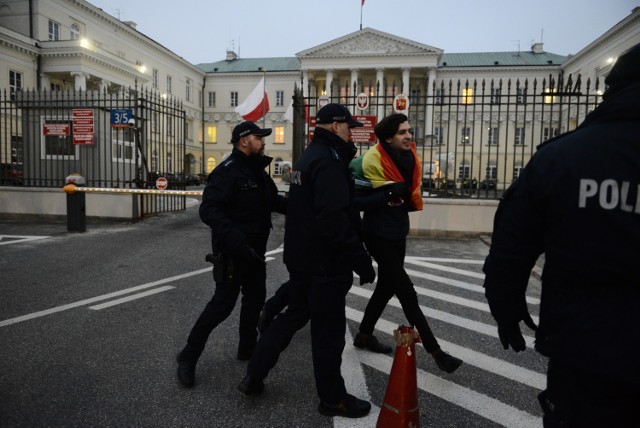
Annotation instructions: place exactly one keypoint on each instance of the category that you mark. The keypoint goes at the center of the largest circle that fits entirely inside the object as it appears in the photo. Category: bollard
(76, 205)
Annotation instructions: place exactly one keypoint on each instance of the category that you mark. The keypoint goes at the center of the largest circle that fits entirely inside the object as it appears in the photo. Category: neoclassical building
(58, 45)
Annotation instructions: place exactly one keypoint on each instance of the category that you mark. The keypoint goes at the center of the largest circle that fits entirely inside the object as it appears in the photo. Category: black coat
(578, 202)
(237, 203)
(321, 230)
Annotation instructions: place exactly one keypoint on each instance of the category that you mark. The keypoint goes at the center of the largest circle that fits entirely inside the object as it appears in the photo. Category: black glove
(248, 255)
(509, 330)
(364, 268)
(396, 191)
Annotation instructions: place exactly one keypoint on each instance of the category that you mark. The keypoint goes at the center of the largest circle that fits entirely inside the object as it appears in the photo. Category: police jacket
(578, 202)
(321, 229)
(237, 203)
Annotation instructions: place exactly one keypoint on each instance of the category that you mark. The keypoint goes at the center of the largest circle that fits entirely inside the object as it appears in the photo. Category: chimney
(537, 48)
(130, 24)
(231, 55)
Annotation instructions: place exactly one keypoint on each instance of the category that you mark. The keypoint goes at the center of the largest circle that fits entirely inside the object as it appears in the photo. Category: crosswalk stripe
(416, 261)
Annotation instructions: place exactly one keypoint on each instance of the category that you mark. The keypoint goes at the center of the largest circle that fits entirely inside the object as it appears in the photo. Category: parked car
(11, 174)
(188, 179)
(489, 184)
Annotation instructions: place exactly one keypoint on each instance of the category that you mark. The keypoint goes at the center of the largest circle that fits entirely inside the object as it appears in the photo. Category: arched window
(75, 31)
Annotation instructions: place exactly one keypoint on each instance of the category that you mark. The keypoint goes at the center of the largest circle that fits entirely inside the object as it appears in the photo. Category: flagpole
(361, 7)
(264, 98)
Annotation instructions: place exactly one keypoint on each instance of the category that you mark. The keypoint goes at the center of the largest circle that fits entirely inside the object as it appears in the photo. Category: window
(55, 87)
(234, 99)
(467, 96)
(155, 75)
(465, 135)
(123, 149)
(414, 97)
(415, 131)
(519, 137)
(15, 83)
(493, 136)
(212, 134)
(464, 169)
(212, 99)
(496, 94)
(211, 163)
(279, 98)
(277, 166)
(169, 83)
(521, 97)
(517, 170)
(548, 133)
(155, 161)
(549, 99)
(438, 136)
(54, 30)
(439, 96)
(279, 131)
(492, 171)
(75, 31)
(187, 90)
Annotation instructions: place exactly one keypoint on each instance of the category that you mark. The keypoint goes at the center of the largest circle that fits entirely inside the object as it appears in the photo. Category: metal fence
(126, 139)
(474, 136)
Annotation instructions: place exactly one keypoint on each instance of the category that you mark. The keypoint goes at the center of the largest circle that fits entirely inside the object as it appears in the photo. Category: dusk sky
(202, 31)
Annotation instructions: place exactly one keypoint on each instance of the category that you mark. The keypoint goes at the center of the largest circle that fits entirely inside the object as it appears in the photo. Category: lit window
(211, 163)
(549, 99)
(212, 134)
(467, 96)
(279, 137)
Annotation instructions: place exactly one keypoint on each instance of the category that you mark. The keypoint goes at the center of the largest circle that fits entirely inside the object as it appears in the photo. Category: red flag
(255, 105)
(362, 3)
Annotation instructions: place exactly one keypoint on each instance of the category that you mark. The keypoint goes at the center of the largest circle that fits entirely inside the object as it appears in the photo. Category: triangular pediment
(368, 42)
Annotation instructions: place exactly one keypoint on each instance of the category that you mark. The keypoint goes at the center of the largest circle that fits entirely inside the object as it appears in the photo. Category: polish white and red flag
(256, 105)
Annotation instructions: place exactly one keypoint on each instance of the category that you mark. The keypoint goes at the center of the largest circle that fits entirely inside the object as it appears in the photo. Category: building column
(103, 85)
(405, 80)
(328, 82)
(305, 83)
(428, 114)
(80, 80)
(380, 91)
(353, 91)
(45, 82)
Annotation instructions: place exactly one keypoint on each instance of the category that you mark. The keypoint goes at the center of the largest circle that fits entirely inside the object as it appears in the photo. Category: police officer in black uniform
(236, 204)
(321, 251)
(578, 202)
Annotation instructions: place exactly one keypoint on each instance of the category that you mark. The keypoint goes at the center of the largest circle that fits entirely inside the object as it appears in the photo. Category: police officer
(578, 202)
(236, 204)
(321, 251)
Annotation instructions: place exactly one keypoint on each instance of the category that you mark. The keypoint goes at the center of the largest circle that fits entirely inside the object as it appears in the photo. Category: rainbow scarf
(379, 169)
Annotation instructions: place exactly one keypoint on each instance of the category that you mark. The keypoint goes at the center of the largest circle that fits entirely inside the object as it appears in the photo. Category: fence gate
(474, 137)
(119, 140)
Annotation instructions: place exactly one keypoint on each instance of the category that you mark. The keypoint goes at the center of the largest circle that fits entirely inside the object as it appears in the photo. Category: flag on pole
(255, 105)
(288, 115)
(362, 3)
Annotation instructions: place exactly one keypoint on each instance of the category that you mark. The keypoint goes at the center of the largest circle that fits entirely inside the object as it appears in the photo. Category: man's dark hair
(389, 125)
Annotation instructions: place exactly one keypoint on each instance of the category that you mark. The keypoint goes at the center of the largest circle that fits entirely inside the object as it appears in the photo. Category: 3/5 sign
(120, 117)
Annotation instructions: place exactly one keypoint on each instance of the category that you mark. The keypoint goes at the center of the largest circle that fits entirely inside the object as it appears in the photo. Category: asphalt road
(90, 324)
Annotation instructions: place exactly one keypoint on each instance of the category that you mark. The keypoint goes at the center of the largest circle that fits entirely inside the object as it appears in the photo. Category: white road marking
(18, 239)
(419, 261)
(99, 298)
(131, 297)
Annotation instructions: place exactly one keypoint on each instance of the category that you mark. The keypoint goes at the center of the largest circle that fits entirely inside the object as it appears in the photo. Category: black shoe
(264, 320)
(250, 385)
(446, 362)
(186, 373)
(370, 342)
(350, 407)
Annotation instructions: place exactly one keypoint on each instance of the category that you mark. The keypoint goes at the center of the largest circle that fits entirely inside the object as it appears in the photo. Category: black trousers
(280, 299)
(248, 279)
(574, 398)
(320, 299)
(393, 280)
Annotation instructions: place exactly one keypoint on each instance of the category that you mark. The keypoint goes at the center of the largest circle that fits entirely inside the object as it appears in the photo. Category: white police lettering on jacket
(609, 194)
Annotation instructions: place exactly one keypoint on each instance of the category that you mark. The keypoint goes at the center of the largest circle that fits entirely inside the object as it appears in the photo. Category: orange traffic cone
(400, 406)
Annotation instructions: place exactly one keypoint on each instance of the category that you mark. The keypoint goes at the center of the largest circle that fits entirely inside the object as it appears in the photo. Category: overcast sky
(202, 30)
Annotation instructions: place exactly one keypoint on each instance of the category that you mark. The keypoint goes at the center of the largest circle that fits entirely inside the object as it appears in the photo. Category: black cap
(248, 128)
(336, 113)
(626, 68)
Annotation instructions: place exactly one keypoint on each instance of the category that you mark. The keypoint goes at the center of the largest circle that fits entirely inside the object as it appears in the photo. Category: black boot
(251, 385)
(446, 362)
(350, 407)
(370, 342)
(186, 372)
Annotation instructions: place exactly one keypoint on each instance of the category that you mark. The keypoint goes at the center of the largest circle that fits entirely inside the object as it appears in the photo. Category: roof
(496, 59)
(247, 65)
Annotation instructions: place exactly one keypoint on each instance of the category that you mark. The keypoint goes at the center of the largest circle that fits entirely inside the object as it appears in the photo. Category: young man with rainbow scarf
(388, 179)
